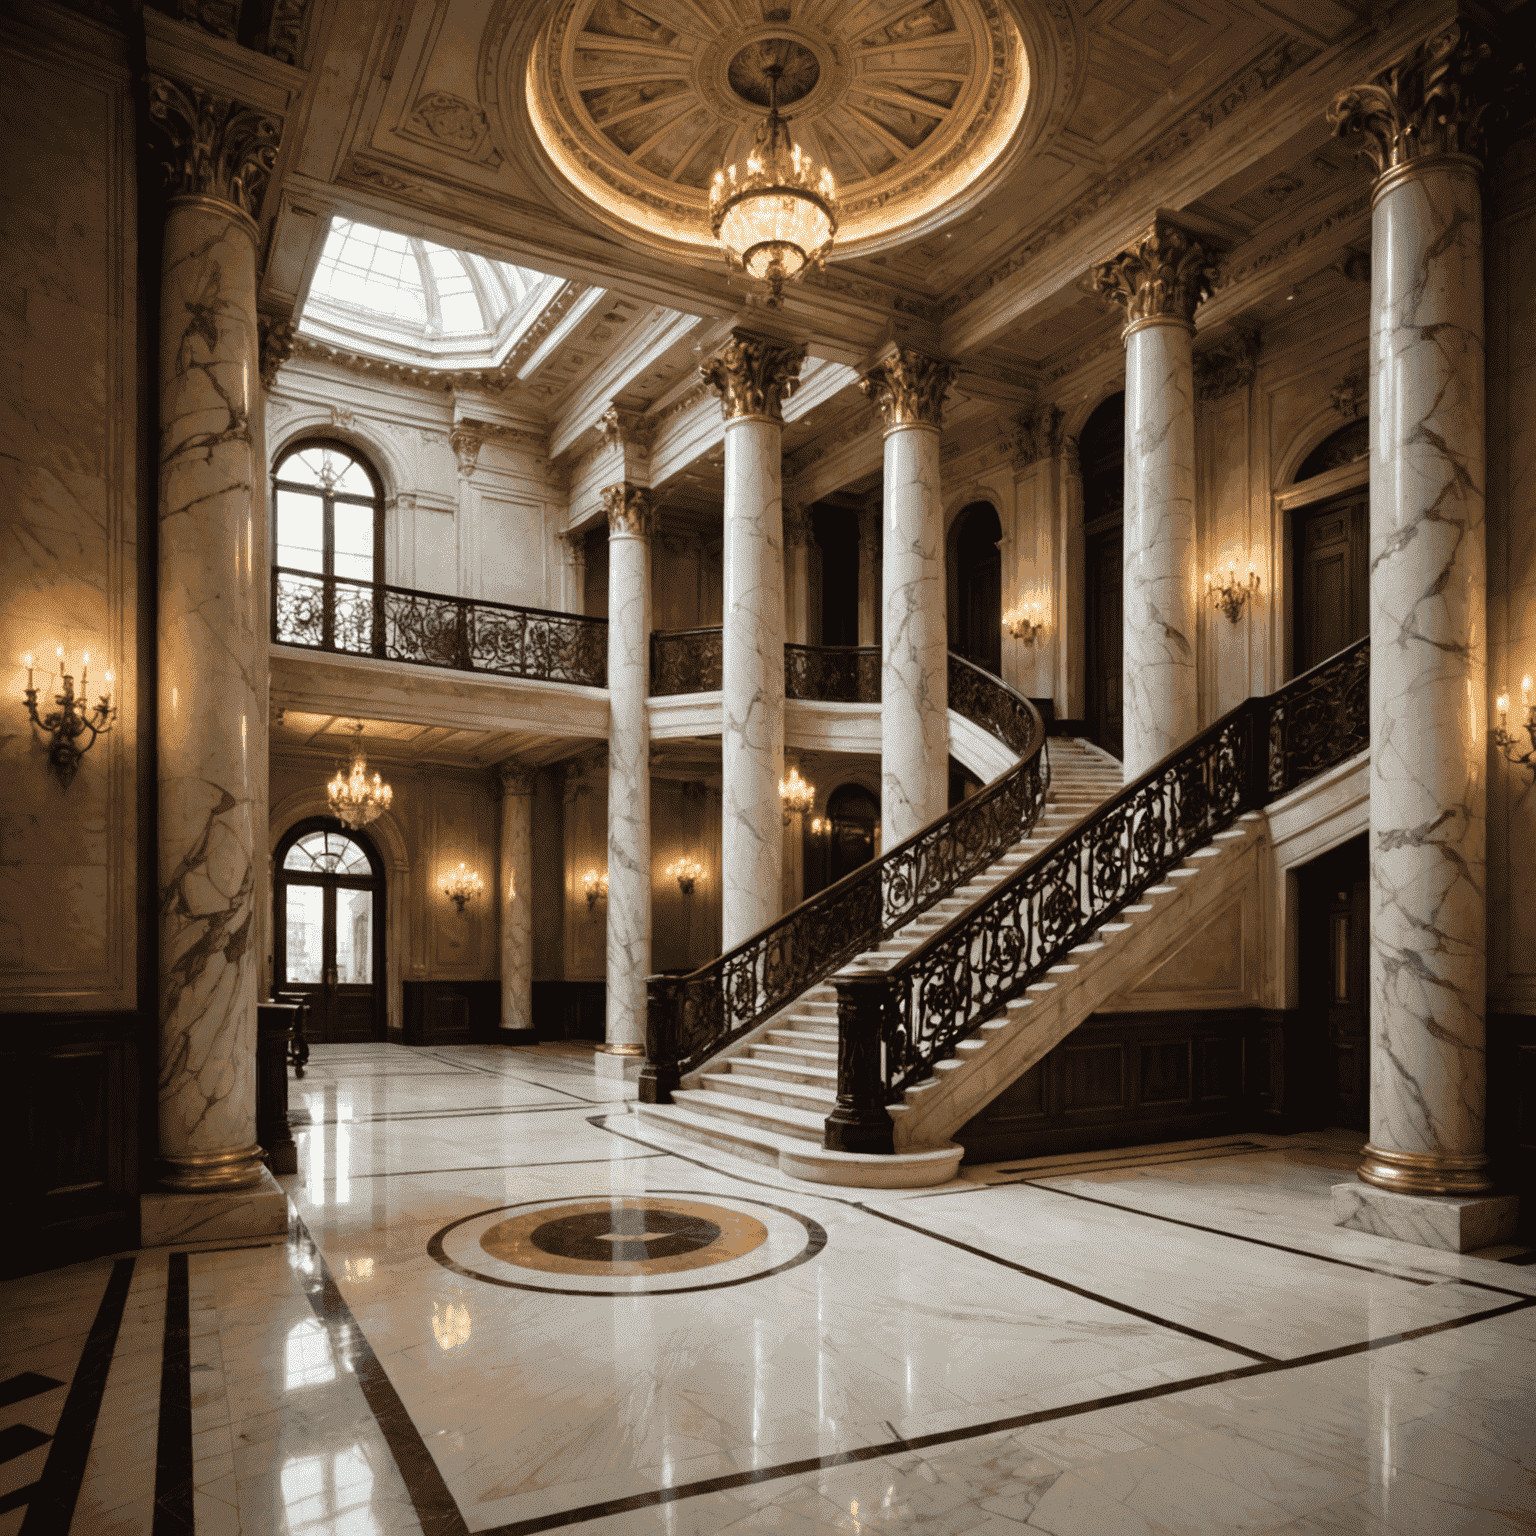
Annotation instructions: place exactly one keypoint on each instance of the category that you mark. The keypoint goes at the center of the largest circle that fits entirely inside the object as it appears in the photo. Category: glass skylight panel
(459, 308)
(372, 269)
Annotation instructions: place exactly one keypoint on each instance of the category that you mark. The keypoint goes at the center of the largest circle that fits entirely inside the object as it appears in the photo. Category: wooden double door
(1333, 959)
(1331, 550)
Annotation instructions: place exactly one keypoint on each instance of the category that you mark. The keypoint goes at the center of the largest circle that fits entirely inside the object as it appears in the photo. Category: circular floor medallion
(619, 1245)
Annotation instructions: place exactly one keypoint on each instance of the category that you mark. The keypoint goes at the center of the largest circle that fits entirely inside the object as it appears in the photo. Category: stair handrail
(895, 1025)
(690, 1018)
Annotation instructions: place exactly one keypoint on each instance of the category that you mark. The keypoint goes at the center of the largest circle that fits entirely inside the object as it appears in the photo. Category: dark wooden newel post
(861, 1122)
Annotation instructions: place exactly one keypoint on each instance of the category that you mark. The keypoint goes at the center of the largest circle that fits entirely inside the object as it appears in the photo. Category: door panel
(305, 924)
(1332, 578)
(1106, 639)
(329, 955)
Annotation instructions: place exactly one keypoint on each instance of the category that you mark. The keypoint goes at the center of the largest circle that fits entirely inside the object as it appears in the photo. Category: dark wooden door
(1332, 955)
(1332, 585)
(1106, 637)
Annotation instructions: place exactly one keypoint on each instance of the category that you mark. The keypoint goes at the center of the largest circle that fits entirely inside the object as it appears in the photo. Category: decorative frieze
(754, 376)
(212, 145)
(1165, 275)
(908, 388)
(1229, 365)
(629, 510)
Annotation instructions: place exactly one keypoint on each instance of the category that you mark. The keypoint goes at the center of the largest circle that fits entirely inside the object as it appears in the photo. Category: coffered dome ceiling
(914, 104)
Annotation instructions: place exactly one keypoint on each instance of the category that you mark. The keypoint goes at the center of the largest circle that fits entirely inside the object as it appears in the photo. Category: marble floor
(504, 1307)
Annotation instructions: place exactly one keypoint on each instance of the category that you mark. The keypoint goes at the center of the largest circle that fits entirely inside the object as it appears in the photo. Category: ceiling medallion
(776, 217)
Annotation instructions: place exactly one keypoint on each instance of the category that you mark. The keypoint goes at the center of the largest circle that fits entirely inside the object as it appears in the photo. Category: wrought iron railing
(689, 1018)
(894, 1026)
(364, 618)
(838, 674)
(685, 661)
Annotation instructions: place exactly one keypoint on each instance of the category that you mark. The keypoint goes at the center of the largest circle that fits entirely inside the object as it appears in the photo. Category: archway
(1101, 448)
(1330, 553)
(328, 928)
(837, 843)
(976, 565)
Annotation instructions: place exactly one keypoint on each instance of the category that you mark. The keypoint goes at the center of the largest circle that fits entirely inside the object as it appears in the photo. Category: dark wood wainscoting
(71, 1136)
(451, 1012)
(570, 1010)
(1512, 1110)
(1131, 1078)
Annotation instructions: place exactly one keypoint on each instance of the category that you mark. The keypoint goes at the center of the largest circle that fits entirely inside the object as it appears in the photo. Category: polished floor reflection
(505, 1307)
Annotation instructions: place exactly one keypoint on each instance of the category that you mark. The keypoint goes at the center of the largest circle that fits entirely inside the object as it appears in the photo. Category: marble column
(1428, 969)
(209, 650)
(797, 574)
(630, 525)
(573, 563)
(909, 389)
(753, 376)
(869, 573)
(1158, 282)
(516, 783)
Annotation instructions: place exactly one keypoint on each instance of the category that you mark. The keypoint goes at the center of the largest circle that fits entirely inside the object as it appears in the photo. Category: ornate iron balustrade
(841, 674)
(362, 618)
(893, 1027)
(686, 660)
(689, 1018)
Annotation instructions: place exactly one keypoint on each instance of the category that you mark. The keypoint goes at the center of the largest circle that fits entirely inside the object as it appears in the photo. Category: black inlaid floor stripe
(413, 1116)
(1521, 1258)
(559, 1162)
(17, 1389)
(17, 1497)
(173, 1453)
(17, 1439)
(51, 1504)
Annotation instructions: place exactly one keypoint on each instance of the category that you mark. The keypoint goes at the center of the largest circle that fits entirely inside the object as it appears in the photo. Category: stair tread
(728, 1103)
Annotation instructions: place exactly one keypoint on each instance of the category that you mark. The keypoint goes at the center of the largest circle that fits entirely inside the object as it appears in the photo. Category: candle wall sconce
(595, 884)
(796, 796)
(1506, 740)
(821, 826)
(73, 719)
(463, 885)
(1228, 594)
(1025, 622)
(685, 872)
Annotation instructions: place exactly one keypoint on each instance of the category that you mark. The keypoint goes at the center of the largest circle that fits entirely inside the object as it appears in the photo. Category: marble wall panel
(69, 547)
(685, 823)
(1226, 537)
(548, 894)
(463, 829)
(586, 848)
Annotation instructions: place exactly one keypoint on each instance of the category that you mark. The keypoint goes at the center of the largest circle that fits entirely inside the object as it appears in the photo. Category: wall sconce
(821, 826)
(1230, 595)
(595, 884)
(1506, 741)
(685, 872)
(1024, 621)
(73, 718)
(462, 885)
(795, 795)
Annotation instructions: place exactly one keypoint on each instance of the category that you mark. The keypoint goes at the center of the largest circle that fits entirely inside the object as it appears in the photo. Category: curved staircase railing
(689, 1018)
(894, 1026)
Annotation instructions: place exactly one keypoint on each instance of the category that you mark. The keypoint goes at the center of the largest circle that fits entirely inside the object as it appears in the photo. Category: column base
(619, 1063)
(213, 1215)
(1462, 1174)
(1456, 1223)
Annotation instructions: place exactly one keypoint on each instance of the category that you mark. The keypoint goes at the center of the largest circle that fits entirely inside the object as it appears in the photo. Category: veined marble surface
(517, 900)
(914, 719)
(209, 703)
(1428, 665)
(752, 679)
(1162, 701)
(629, 785)
(1147, 1340)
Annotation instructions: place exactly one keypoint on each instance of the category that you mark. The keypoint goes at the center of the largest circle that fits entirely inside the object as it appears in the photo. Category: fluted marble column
(208, 647)
(753, 375)
(516, 782)
(909, 391)
(1428, 634)
(630, 523)
(1158, 282)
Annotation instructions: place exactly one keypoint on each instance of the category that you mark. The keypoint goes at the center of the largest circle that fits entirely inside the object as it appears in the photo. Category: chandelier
(355, 801)
(796, 796)
(778, 216)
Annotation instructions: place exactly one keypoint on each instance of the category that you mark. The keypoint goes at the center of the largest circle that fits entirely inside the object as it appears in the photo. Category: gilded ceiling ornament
(908, 388)
(213, 146)
(1167, 274)
(1433, 103)
(754, 375)
(278, 337)
(629, 509)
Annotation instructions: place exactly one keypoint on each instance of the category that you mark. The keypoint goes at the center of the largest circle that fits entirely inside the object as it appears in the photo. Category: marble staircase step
(770, 1090)
(781, 1119)
(821, 1074)
(796, 1056)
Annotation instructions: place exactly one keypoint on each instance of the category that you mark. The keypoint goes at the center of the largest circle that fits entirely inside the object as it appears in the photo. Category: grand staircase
(776, 1087)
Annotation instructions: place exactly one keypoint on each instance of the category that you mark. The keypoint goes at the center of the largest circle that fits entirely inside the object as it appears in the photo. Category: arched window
(838, 842)
(328, 513)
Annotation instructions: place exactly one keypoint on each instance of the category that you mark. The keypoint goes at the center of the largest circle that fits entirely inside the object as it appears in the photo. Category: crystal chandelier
(777, 217)
(796, 796)
(355, 800)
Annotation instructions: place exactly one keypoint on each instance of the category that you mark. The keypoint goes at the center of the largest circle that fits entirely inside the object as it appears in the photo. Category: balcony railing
(689, 661)
(364, 618)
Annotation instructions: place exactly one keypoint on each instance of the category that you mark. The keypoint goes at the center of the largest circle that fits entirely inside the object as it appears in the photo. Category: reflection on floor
(503, 1307)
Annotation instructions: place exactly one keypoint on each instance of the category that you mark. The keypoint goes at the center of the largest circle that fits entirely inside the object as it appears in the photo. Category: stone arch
(374, 446)
(1318, 428)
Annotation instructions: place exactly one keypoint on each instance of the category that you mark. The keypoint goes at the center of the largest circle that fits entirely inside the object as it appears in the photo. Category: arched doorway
(1330, 553)
(976, 629)
(328, 928)
(837, 843)
(1101, 448)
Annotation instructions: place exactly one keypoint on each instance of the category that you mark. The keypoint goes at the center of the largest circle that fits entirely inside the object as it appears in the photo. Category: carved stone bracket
(515, 778)
(1166, 274)
(908, 389)
(278, 337)
(466, 445)
(1436, 102)
(1230, 365)
(213, 146)
(1352, 394)
(754, 375)
(629, 509)
(797, 525)
(574, 543)
(1036, 436)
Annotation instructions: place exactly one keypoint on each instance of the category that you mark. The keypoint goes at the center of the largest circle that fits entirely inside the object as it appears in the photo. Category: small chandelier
(685, 871)
(462, 885)
(1024, 621)
(1505, 739)
(778, 216)
(595, 884)
(1229, 595)
(73, 727)
(796, 796)
(355, 801)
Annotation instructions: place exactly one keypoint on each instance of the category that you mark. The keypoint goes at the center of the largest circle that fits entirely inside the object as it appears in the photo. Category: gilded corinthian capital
(629, 509)
(1165, 275)
(908, 389)
(754, 375)
(212, 145)
(1433, 103)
